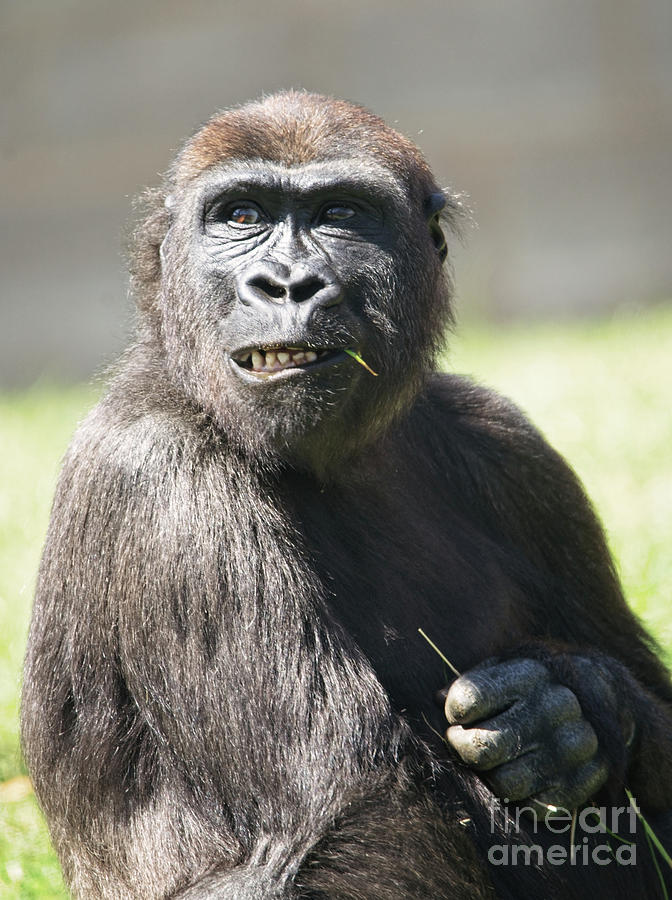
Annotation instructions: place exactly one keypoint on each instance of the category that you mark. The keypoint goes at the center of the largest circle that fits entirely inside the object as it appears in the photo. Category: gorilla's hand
(527, 735)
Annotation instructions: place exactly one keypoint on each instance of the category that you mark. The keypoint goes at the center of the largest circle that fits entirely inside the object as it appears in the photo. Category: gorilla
(225, 691)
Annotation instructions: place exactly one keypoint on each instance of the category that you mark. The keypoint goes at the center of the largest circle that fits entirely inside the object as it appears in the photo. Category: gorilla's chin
(306, 418)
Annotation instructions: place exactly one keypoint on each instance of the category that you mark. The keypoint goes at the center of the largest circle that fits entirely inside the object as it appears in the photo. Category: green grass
(35, 427)
(600, 392)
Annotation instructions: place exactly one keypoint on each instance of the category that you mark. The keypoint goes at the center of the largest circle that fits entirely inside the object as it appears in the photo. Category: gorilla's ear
(434, 206)
(143, 245)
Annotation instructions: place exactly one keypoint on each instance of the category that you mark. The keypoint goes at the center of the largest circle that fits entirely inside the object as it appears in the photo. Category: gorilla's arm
(154, 668)
(520, 723)
(105, 690)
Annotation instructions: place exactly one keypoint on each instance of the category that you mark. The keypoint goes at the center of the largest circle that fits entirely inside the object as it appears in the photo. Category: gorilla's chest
(393, 562)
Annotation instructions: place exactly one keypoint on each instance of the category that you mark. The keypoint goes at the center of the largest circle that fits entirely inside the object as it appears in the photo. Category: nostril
(270, 288)
(311, 285)
(306, 289)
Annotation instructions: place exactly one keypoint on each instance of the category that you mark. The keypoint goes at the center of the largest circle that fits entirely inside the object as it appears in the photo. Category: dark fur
(225, 692)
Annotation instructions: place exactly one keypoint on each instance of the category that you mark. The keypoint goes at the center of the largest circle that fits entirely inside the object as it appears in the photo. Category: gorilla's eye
(243, 215)
(337, 213)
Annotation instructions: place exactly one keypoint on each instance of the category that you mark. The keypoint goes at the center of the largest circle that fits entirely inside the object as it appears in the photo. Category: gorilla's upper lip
(277, 359)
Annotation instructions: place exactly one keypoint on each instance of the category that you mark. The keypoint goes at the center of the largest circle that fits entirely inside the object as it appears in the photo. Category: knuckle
(501, 787)
(556, 799)
(596, 774)
(530, 669)
(515, 781)
(479, 748)
(523, 672)
(460, 740)
(576, 743)
(562, 704)
(588, 781)
(462, 698)
(491, 751)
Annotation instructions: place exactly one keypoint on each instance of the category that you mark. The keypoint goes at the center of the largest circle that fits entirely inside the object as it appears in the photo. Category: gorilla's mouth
(267, 361)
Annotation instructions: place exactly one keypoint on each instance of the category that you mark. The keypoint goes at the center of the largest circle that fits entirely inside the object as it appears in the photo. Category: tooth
(257, 360)
(270, 359)
(299, 356)
(283, 358)
(311, 356)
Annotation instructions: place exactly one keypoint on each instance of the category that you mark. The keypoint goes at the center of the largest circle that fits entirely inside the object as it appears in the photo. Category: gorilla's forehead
(359, 176)
(296, 129)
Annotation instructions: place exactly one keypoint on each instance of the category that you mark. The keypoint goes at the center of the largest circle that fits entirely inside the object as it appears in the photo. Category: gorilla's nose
(314, 284)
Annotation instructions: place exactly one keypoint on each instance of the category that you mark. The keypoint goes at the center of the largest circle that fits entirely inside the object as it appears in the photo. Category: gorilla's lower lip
(277, 361)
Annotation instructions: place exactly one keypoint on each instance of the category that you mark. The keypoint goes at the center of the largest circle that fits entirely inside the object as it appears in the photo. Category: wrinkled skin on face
(303, 255)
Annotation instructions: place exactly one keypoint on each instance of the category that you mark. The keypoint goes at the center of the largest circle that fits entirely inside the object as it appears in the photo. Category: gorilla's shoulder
(464, 407)
(137, 439)
(469, 428)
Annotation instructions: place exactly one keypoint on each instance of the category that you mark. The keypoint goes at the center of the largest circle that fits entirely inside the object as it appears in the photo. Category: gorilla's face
(274, 274)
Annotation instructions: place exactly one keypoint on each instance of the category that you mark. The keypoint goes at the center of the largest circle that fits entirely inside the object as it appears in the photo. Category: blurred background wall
(554, 117)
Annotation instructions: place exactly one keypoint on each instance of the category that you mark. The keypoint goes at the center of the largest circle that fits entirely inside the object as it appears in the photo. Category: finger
(518, 779)
(560, 705)
(495, 741)
(576, 744)
(591, 778)
(481, 693)
(482, 748)
(585, 784)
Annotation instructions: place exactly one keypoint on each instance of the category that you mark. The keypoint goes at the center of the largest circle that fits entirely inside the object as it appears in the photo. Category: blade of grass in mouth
(359, 359)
